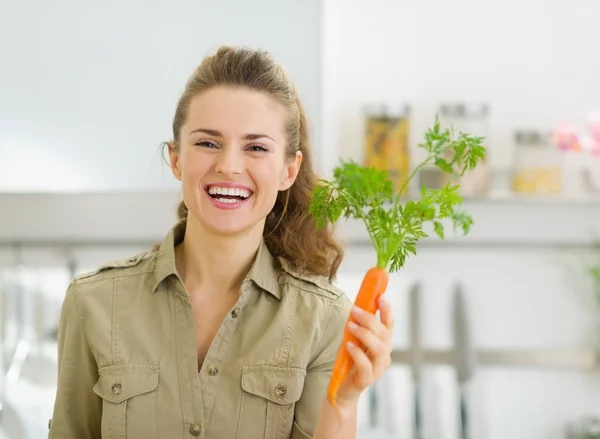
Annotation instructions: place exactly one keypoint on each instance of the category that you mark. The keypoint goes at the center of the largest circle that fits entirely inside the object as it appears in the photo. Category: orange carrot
(374, 284)
(367, 194)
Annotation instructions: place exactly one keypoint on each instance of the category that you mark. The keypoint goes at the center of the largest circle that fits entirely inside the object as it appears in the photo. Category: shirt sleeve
(319, 371)
(77, 409)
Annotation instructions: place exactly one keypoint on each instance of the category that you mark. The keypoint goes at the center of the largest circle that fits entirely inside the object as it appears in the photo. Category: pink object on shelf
(567, 138)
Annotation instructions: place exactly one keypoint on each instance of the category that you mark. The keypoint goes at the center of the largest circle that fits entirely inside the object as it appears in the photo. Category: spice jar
(538, 164)
(386, 142)
(471, 118)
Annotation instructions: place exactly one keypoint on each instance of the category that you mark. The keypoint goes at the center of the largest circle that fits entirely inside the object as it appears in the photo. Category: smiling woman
(230, 327)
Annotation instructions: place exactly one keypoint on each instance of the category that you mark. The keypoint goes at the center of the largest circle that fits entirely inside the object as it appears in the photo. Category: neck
(215, 264)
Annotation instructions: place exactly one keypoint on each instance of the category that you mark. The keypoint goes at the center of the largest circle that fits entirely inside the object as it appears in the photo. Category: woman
(229, 328)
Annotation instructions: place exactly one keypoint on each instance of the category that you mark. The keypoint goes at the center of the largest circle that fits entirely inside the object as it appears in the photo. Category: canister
(538, 163)
(386, 141)
(471, 118)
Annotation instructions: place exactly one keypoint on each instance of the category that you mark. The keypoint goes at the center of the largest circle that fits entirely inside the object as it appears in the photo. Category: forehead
(235, 111)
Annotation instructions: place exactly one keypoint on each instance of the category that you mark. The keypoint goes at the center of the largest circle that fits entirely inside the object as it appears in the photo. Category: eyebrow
(215, 133)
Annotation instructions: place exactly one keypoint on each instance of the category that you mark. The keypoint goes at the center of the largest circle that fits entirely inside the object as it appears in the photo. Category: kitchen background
(88, 92)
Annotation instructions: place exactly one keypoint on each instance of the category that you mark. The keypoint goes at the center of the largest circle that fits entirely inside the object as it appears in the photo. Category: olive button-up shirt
(128, 355)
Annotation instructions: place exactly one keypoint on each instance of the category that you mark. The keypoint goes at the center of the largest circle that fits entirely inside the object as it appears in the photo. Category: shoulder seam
(92, 278)
(331, 293)
(115, 265)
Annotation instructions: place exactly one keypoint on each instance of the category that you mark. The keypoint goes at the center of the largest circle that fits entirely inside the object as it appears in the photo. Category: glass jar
(386, 142)
(538, 164)
(473, 119)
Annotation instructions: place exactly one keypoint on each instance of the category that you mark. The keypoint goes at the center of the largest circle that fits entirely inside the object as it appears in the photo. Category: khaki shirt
(128, 364)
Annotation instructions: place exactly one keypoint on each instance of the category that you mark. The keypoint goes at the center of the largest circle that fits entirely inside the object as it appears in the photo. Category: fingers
(375, 335)
(373, 344)
(380, 328)
(364, 373)
(385, 311)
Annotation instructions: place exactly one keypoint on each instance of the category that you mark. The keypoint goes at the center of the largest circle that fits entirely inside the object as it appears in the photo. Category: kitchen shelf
(515, 222)
(140, 219)
(532, 201)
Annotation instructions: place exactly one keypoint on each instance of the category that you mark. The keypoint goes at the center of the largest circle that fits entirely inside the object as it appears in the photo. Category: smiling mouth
(228, 195)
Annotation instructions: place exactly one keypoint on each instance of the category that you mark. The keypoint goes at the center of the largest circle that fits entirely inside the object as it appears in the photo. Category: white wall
(89, 90)
(533, 61)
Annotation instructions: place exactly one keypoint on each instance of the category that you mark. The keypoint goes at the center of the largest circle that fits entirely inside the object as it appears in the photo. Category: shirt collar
(264, 271)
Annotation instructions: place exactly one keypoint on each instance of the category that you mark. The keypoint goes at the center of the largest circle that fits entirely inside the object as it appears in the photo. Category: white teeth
(232, 192)
(227, 200)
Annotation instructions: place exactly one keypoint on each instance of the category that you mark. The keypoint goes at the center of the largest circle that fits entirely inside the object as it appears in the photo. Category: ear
(174, 161)
(290, 172)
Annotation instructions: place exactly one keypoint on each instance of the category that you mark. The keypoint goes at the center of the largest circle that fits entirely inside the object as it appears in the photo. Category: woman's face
(232, 159)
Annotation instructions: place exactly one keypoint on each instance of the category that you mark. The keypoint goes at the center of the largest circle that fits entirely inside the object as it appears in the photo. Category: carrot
(374, 284)
(394, 227)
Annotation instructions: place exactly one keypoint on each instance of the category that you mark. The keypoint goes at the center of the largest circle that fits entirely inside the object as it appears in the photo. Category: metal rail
(556, 359)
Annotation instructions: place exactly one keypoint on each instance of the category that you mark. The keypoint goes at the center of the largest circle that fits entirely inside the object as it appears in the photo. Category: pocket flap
(281, 385)
(121, 382)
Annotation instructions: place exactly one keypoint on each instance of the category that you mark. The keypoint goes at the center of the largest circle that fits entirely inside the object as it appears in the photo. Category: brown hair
(290, 231)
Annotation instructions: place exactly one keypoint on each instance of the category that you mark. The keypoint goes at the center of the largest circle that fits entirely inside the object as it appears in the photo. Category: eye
(206, 144)
(257, 148)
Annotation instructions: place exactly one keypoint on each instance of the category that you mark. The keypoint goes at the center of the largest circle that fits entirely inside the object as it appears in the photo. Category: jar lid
(386, 110)
(464, 109)
(531, 137)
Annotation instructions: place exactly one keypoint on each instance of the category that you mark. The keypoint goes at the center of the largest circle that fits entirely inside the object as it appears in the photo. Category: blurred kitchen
(505, 320)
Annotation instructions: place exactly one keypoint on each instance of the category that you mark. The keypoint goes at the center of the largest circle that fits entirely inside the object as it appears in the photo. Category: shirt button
(116, 389)
(235, 312)
(195, 430)
(212, 370)
(280, 390)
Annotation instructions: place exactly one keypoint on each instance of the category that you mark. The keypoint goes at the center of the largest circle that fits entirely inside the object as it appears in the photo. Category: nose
(229, 161)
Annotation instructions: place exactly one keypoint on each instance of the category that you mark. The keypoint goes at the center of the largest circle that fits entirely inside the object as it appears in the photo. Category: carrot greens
(394, 224)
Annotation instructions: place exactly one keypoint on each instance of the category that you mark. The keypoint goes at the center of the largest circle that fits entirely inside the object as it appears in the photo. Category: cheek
(193, 164)
(269, 176)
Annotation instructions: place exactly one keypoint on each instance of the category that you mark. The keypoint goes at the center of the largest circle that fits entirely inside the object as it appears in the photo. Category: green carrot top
(366, 194)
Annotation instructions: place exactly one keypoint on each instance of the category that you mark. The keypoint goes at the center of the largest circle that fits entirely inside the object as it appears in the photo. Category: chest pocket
(268, 399)
(129, 406)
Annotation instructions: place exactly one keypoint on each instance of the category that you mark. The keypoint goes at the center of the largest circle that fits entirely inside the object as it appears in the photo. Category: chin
(232, 224)
(228, 229)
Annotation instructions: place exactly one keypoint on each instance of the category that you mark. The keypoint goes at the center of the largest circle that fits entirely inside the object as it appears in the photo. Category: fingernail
(352, 326)
(350, 345)
(357, 310)
(383, 300)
